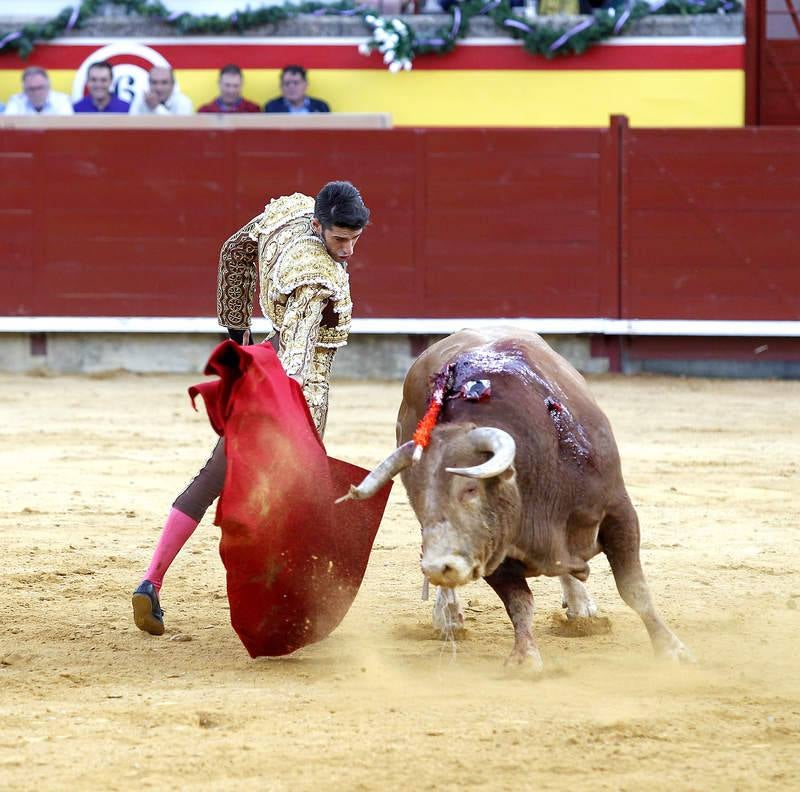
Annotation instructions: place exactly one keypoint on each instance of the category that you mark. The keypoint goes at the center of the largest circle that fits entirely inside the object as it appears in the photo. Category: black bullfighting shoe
(147, 613)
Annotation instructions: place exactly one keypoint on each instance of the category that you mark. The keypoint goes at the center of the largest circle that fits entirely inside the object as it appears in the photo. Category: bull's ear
(508, 474)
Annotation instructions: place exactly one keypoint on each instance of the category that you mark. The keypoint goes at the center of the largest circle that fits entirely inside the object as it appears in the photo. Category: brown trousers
(205, 487)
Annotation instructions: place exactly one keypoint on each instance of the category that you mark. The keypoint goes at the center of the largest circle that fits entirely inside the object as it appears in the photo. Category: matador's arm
(236, 281)
(300, 329)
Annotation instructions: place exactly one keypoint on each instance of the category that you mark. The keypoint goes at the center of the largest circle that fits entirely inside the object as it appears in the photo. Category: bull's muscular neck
(524, 401)
(556, 526)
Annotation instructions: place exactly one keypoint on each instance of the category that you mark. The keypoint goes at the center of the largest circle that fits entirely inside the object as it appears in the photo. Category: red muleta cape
(294, 559)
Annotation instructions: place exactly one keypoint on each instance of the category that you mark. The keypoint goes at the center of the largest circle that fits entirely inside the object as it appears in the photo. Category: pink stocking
(177, 529)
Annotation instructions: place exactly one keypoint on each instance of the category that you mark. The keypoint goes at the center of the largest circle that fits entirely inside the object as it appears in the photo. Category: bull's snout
(449, 570)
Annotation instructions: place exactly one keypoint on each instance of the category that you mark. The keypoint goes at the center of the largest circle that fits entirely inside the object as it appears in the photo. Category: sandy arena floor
(90, 466)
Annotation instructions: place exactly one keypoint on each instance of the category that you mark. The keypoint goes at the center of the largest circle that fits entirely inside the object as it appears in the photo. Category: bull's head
(464, 493)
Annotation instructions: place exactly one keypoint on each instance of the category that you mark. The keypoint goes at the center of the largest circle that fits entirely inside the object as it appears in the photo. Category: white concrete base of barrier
(366, 356)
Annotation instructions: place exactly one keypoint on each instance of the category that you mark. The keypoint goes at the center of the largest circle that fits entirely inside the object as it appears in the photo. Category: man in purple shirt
(99, 79)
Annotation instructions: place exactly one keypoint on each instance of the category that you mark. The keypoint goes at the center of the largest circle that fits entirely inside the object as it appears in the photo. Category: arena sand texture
(90, 466)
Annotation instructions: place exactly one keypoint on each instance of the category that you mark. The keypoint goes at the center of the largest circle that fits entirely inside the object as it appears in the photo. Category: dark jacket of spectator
(310, 105)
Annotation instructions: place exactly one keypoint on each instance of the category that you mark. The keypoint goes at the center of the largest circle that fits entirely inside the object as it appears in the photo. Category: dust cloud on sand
(91, 465)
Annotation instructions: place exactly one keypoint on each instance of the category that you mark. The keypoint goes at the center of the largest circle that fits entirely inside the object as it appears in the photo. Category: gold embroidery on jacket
(298, 279)
(306, 262)
(236, 281)
(315, 388)
(280, 211)
(301, 355)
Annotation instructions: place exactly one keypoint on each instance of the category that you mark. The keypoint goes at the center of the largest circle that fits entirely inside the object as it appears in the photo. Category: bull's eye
(469, 493)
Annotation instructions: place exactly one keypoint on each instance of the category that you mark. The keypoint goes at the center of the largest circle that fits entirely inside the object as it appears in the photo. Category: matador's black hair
(340, 204)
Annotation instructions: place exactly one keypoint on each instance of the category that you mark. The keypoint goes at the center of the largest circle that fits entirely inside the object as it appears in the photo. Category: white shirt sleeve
(138, 106)
(60, 104)
(14, 106)
(180, 104)
(177, 104)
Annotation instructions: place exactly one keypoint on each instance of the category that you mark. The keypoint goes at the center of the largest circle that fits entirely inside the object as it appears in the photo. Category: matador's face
(340, 242)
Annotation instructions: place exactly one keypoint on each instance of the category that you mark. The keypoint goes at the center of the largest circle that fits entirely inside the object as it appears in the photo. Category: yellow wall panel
(682, 98)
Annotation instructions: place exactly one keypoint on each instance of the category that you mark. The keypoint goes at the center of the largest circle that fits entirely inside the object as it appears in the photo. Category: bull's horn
(398, 460)
(502, 446)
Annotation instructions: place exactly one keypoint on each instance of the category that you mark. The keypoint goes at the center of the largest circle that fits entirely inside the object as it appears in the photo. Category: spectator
(163, 96)
(230, 99)
(293, 97)
(99, 78)
(36, 97)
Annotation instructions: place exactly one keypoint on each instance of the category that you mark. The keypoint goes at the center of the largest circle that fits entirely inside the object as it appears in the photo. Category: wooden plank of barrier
(210, 121)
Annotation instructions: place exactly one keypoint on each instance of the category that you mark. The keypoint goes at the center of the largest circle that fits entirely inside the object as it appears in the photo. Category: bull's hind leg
(576, 599)
(619, 538)
(508, 581)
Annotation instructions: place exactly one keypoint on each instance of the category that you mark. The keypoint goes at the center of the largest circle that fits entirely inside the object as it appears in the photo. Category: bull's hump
(505, 358)
(498, 358)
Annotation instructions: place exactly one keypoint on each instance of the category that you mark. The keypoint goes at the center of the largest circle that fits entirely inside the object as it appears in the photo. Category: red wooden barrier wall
(541, 222)
(773, 62)
(130, 223)
(711, 224)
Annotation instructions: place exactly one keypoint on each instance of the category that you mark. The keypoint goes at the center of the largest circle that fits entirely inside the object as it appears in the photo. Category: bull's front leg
(508, 581)
(576, 599)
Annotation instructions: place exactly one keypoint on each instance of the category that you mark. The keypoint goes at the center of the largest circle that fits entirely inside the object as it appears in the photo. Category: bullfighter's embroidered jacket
(303, 291)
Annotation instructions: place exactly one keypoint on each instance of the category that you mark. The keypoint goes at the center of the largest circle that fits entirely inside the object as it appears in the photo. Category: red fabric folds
(294, 559)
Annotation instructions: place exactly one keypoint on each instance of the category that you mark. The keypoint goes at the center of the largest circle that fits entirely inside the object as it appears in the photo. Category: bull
(520, 477)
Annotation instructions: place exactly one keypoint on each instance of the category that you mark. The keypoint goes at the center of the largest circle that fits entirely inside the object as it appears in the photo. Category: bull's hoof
(529, 661)
(585, 609)
(675, 651)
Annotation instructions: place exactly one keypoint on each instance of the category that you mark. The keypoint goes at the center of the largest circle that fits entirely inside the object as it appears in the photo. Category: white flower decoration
(395, 67)
(389, 56)
(364, 49)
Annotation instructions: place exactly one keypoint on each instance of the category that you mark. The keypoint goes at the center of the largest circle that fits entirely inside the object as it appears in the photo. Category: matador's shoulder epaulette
(280, 211)
(306, 262)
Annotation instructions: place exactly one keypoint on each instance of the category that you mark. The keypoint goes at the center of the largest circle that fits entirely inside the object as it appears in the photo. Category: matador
(296, 251)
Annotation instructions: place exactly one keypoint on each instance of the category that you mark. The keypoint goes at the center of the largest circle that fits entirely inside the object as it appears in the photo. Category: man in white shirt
(162, 98)
(36, 97)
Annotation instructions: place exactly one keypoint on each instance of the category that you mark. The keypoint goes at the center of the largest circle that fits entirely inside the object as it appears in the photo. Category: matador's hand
(241, 337)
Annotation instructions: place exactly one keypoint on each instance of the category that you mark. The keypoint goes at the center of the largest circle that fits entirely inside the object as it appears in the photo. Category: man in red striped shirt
(230, 99)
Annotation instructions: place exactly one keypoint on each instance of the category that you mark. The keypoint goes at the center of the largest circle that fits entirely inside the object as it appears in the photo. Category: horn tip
(352, 494)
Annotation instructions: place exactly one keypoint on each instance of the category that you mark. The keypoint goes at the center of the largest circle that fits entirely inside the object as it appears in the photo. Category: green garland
(79, 14)
(542, 37)
(392, 37)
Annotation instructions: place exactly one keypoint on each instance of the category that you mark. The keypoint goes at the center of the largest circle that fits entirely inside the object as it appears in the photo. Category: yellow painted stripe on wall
(686, 98)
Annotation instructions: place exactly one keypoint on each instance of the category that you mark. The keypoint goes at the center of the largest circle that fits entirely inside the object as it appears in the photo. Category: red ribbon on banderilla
(442, 389)
(422, 434)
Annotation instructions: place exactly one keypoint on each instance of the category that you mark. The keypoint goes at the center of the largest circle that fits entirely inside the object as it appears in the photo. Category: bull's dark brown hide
(294, 560)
